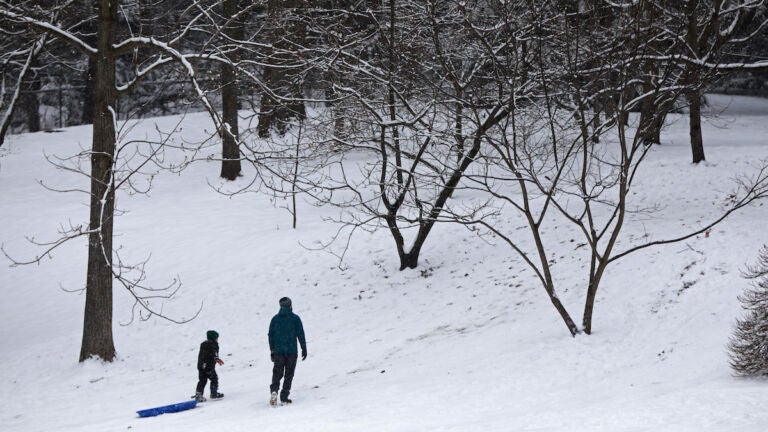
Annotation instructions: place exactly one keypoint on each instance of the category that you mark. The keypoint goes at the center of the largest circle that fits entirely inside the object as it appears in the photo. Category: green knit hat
(212, 335)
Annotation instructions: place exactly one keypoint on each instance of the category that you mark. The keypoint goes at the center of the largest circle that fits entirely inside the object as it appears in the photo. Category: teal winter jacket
(284, 329)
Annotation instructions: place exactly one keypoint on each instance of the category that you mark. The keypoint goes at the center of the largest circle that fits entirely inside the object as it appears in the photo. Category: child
(206, 366)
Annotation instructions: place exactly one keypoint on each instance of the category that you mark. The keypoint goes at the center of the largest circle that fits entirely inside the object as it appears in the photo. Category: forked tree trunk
(410, 258)
(97, 324)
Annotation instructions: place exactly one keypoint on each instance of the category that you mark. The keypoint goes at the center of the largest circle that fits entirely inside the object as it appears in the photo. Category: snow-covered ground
(466, 342)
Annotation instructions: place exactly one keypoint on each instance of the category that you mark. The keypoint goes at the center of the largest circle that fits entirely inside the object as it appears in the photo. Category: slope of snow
(468, 341)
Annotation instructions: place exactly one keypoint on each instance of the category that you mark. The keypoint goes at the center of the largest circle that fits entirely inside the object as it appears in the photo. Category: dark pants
(285, 366)
(204, 375)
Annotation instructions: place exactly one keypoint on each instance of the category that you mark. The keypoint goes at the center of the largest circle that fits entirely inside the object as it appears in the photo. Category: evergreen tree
(748, 347)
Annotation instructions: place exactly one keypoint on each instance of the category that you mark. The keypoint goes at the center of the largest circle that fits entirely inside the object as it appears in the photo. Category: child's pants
(205, 375)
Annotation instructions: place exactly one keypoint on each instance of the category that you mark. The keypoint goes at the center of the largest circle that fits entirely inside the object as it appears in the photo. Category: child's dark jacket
(209, 352)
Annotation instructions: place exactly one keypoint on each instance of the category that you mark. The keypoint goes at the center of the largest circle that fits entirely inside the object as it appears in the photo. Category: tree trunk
(230, 164)
(32, 111)
(276, 112)
(6, 112)
(589, 304)
(648, 109)
(697, 141)
(596, 126)
(89, 77)
(409, 260)
(31, 104)
(599, 262)
(97, 325)
(654, 131)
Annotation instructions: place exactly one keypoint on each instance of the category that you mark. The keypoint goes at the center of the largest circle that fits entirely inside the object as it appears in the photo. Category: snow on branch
(5, 120)
(181, 59)
(50, 29)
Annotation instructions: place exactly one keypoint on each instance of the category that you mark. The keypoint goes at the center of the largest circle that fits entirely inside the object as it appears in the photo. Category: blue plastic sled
(167, 409)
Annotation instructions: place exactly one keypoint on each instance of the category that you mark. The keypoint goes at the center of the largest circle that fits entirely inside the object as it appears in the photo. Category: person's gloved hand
(303, 355)
(219, 361)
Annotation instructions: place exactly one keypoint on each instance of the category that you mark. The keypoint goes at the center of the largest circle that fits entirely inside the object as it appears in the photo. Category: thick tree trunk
(654, 130)
(230, 164)
(648, 110)
(697, 141)
(409, 260)
(97, 325)
(32, 111)
(89, 77)
(31, 104)
(695, 36)
(90, 35)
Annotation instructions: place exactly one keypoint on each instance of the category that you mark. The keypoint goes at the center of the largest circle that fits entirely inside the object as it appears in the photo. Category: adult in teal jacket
(284, 330)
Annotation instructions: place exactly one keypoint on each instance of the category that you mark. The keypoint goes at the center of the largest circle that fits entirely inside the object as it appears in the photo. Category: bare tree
(106, 172)
(416, 88)
(544, 163)
(708, 31)
(19, 53)
(10, 94)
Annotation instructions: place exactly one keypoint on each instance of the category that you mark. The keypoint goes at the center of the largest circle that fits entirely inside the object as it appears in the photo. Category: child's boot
(215, 394)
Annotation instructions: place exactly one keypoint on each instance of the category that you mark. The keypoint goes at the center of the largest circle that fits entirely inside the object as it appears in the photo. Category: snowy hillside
(466, 342)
